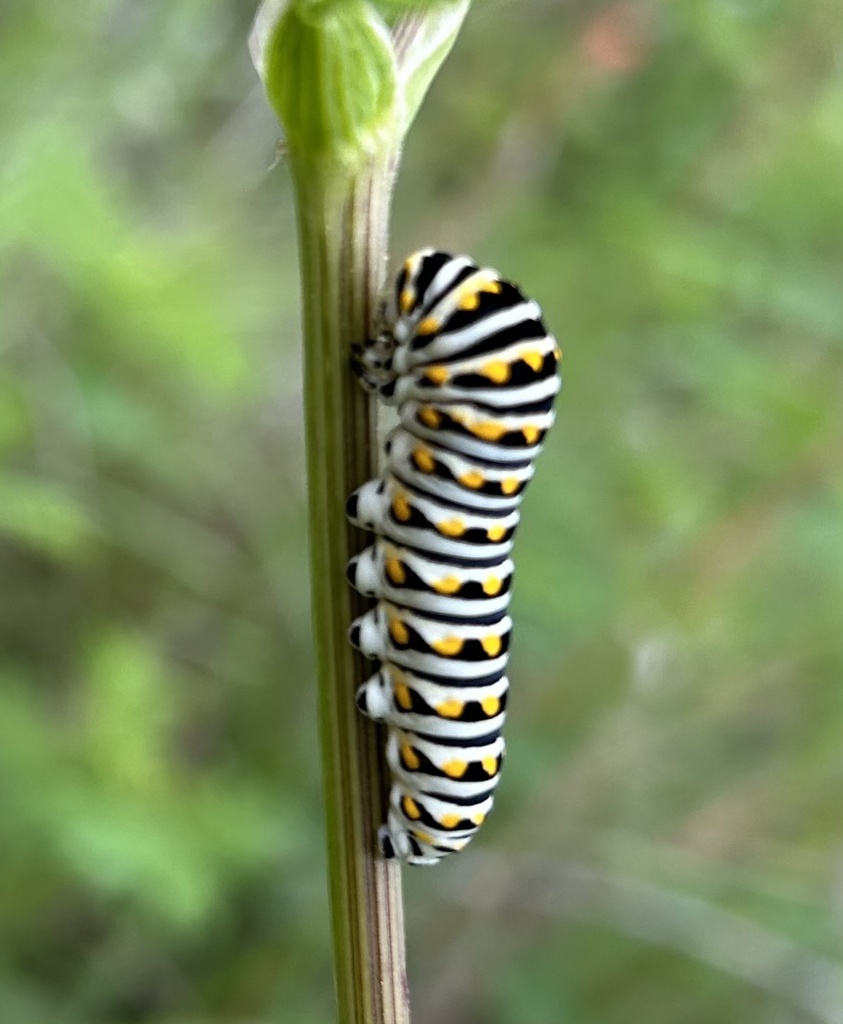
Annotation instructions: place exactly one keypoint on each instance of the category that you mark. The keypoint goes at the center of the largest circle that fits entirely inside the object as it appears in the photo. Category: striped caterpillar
(466, 360)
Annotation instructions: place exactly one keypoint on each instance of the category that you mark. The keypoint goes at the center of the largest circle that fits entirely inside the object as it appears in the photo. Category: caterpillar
(466, 360)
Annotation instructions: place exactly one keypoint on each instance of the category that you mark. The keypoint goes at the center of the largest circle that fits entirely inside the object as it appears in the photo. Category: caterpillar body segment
(451, 710)
(427, 583)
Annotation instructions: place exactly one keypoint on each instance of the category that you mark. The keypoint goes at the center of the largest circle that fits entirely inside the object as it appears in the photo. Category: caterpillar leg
(366, 507)
(363, 572)
(395, 843)
(371, 363)
(367, 633)
(374, 697)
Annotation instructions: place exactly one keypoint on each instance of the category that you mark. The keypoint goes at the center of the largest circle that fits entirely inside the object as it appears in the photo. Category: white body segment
(402, 576)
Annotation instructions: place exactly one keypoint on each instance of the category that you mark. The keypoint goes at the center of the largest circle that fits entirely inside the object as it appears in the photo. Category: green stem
(343, 222)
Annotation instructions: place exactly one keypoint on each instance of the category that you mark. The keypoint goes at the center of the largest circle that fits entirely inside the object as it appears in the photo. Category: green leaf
(43, 517)
(330, 75)
(422, 42)
(130, 697)
(404, 6)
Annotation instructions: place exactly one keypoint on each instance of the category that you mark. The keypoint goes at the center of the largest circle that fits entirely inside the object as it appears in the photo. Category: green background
(665, 178)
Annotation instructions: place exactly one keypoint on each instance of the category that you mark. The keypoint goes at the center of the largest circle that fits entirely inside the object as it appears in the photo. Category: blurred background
(665, 178)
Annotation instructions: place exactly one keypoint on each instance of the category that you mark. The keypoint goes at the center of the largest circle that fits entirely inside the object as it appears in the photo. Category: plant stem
(343, 225)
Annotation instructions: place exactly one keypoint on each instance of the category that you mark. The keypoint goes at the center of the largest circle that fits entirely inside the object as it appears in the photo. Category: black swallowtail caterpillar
(469, 365)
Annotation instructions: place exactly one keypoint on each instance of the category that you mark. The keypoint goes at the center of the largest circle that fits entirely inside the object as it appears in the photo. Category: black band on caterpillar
(468, 362)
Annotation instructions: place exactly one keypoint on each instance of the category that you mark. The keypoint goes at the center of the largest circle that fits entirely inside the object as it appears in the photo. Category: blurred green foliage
(665, 179)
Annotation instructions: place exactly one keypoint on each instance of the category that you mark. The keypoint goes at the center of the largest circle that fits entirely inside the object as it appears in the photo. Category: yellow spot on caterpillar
(496, 532)
(395, 571)
(401, 508)
(491, 645)
(423, 837)
(410, 807)
(473, 479)
(487, 430)
(492, 585)
(409, 758)
(447, 585)
(455, 769)
(469, 297)
(490, 765)
(451, 527)
(436, 374)
(423, 459)
(398, 631)
(491, 705)
(450, 820)
(430, 417)
(557, 354)
(510, 485)
(497, 371)
(450, 708)
(428, 326)
(448, 646)
(478, 819)
(535, 360)
(406, 301)
(403, 696)
(531, 434)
